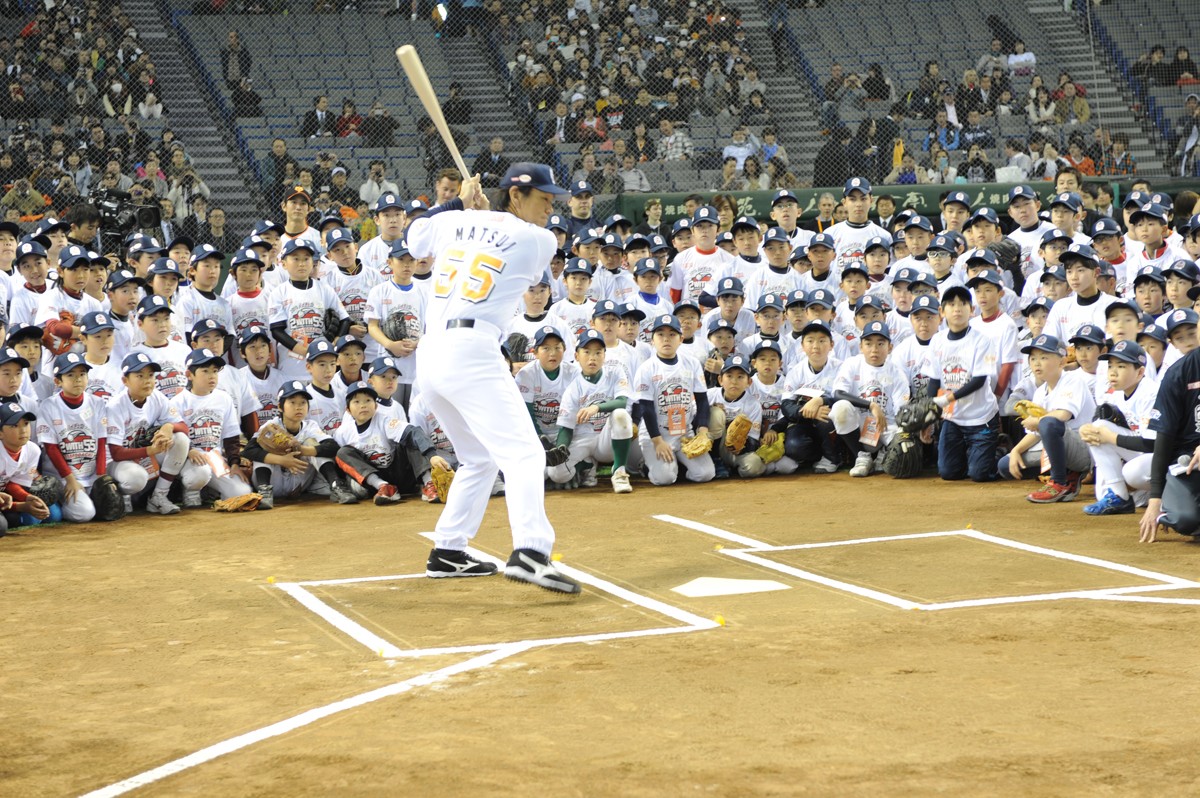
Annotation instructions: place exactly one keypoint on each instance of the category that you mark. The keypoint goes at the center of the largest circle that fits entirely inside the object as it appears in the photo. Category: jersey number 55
(473, 280)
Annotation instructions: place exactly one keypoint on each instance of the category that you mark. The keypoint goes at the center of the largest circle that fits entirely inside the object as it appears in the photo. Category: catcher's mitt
(1111, 413)
(58, 334)
(442, 480)
(238, 504)
(333, 325)
(518, 348)
(903, 457)
(106, 496)
(917, 415)
(1026, 409)
(737, 432)
(46, 488)
(395, 327)
(277, 440)
(769, 453)
(697, 445)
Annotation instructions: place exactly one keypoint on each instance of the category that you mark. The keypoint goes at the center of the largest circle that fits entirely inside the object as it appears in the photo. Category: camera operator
(185, 185)
(22, 197)
(84, 224)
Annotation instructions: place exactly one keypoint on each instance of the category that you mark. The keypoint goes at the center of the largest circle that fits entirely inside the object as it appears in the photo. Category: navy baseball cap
(822, 240)
(770, 300)
(799, 253)
(10, 355)
(267, 226)
(1045, 343)
(784, 195)
(612, 241)
(665, 320)
(328, 219)
(927, 302)
(27, 249)
(1135, 198)
(989, 276)
(956, 237)
(355, 388)
(767, 346)
(253, 332)
(685, 304)
(338, 235)
(1058, 272)
(545, 332)
(399, 249)
(145, 245)
(137, 361)
(206, 326)
(198, 358)
(293, 388)
(577, 266)
(984, 255)
(777, 235)
(11, 413)
(1021, 192)
(878, 242)
(1184, 268)
(388, 200)
(532, 175)
(1126, 351)
(795, 297)
(1105, 226)
(121, 277)
(1163, 199)
(382, 365)
(923, 278)
(958, 198)
(876, 328)
(680, 224)
(151, 305)
(581, 187)
(916, 220)
(823, 297)
(1194, 224)
(243, 256)
(1180, 317)
(657, 244)
(856, 184)
(606, 307)
(1123, 304)
(637, 241)
(547, 279)
(1153, 331)
(318, 348)
(1088, 334)
(73, 257)
(588, 337)
(255, 240)
(1041, 303)
(1080, 252)
(706, 214)
(898, 237)
(647, 266)
(347, 341)
(555, 222)
(816, 327)
(730, 286)
(855, 266)
(95, 322)
(50, 224)
(615, 220)
(1068, 199)
(869, 301)
(182, 241)
(1151, 273)
(736, 362)
(1107, 269)
(1150, 210)
(588, 236)
(297, 244)
(630, 310)
(416, 207)
(982, 215)
(905, 275)
(206, 251)
(943, 243)
(67, 361)
(720, 324)
(744, 222)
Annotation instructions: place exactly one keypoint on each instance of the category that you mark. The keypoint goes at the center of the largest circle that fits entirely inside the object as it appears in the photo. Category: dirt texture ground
(127, 646)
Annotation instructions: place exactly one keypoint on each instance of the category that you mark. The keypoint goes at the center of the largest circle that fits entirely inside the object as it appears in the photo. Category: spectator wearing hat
(319, 121)
(340, 191)
(376, 184)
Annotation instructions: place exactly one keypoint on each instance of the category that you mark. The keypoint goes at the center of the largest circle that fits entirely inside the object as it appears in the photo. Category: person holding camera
(376, 185)
(907, 173)
(976, 168)
(183, 188)
(378, 127)
(22, 197)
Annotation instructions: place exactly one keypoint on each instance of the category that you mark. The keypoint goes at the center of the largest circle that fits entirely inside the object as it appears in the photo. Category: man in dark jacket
(832, 167)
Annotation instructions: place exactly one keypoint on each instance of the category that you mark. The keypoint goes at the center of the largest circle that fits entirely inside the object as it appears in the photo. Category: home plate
(714, 586)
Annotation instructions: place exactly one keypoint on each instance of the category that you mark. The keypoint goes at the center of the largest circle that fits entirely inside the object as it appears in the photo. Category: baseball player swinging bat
(411, 61)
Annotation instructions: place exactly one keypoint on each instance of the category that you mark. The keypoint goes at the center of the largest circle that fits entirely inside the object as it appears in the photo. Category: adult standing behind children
(485, 260)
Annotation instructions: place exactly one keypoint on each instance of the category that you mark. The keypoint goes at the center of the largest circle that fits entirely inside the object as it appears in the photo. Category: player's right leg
(660, 472)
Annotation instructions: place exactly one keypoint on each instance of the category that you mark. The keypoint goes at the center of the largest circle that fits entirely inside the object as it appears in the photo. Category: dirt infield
(131, 645)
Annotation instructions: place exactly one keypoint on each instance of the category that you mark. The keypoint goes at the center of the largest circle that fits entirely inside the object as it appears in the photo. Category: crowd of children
(1043, 344)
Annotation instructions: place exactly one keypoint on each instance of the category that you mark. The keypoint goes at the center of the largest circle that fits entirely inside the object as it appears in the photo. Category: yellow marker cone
(270, 580)
(720, 619)
(556, 557)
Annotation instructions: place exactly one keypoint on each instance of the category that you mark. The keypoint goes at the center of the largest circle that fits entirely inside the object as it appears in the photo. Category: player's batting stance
(484, 262)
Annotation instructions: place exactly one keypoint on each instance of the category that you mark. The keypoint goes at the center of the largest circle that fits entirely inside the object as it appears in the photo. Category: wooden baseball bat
(410, 60)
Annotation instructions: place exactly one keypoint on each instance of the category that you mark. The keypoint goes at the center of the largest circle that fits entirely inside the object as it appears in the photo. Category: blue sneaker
(1110, 504)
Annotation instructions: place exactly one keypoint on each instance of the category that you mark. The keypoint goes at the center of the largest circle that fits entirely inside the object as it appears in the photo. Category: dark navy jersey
(1176, 414)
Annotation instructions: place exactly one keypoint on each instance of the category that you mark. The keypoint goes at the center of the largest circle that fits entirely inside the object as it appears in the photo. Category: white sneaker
(498, 486)
(825, 466)
(191, 498)
(128, 504)
(587, 479)
(862, 465)
(159, 504)
(620, 481)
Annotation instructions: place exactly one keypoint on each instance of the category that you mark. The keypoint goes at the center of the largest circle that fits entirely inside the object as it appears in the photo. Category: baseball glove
(394, 327)
(903, 457)
(106, 496)
(772, 452)
(238, 504)
(333, 325)
(697, 445)
(1026, 409)
(442, 480)
(1112, 413)
(917, 415)
(46, 488)
(143, 438)
(518, 348)
(277, 440)
(58, 334)
(737, 432)
(555, 455)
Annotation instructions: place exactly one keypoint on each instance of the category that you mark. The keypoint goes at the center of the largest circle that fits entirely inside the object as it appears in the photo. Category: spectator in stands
(976, 167)
(876, 85)
(1064, 78)
(726, 207)
(588, 170)
(491, 164)
(117, 100)
(1005, 104)
(968, 96)
(975, 133)
(195, 224)
(865, 154)
(993, 58)
(150, 170)
(608, 179)
(340, 191)
(435, 155)
(780, 175)
(756, 112)
(83, 99)
(1118, 160)
(1151, 68)
(741, 146)
(942, 133)
(1071, 109)
(921, 101)
(1017, 156)
(641, 146)
(559, 129)
(22, 197)
(145, 97)
(319, 121)
(752, 82)
(634, 180)
(1041, 111)
(235, 61)
(835, 89)
(831, 168)
(949, 106)
(1046, 167)
(938, 168)
(376, 184)
(77, 167)
(349, 122)
(642, 109)
(14, 104)
(166, 226)
(1101, 142)
(121, 181)
(1183, 69)
(1021, 62)
(1079, 159)
(591, 127)
(218, 235)
(854, 98)
(187, 185)
(246, 101)
(988, 96)
(456, 108)
(772, 147)
(673, 145)
(907, 173)
(731, 176)
(756, 179)
(378, 128)
(275, 171)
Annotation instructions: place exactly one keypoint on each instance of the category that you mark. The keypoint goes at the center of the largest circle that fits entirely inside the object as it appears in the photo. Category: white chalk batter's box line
(754, 549)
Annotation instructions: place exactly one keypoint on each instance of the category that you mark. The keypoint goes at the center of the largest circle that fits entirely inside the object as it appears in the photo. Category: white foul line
(299, 721)
(831, 543)
(340, 622)
(808, 576)
(716, 532)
